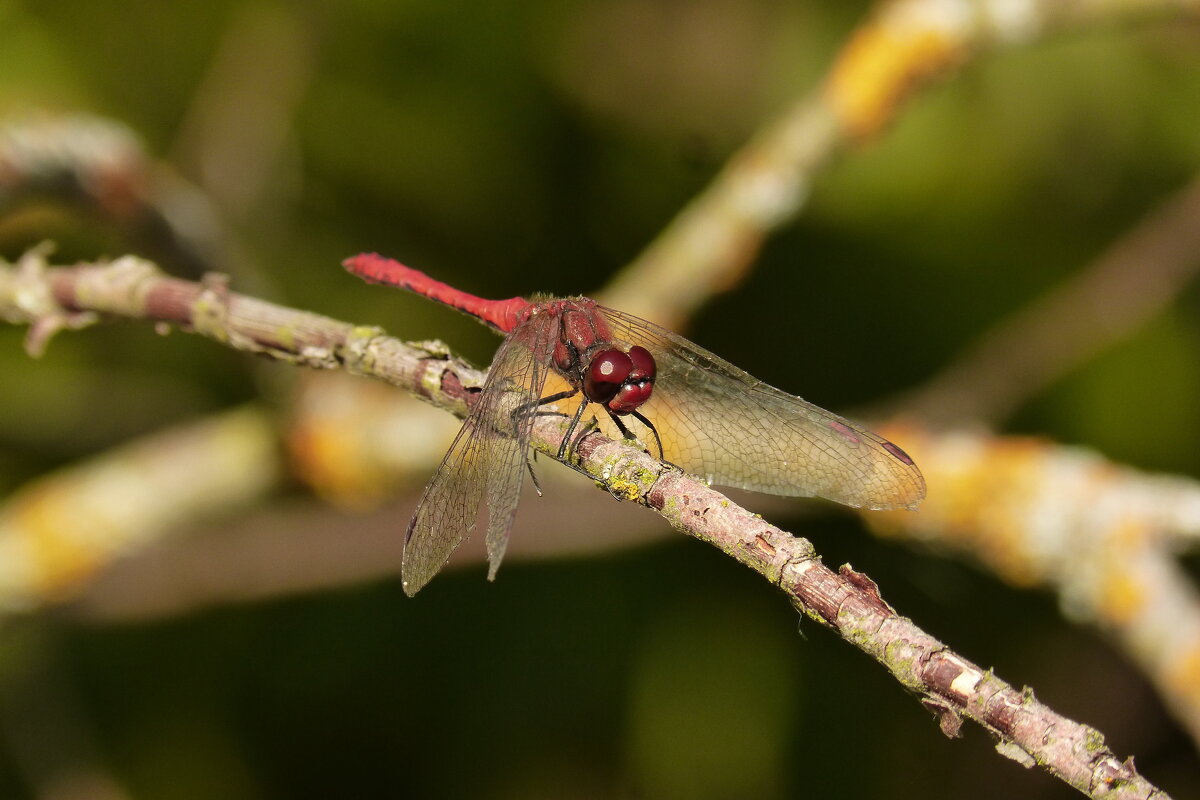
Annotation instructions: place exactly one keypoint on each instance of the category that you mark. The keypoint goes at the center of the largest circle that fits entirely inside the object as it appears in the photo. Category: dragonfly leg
(537, 487)
(553, 398)
(527, 407)
(626, 433)
(566, 440)
(523, 410)
(591, 425)
(657, 440)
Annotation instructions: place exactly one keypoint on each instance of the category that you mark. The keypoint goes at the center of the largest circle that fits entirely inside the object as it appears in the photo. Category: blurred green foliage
(514, 147)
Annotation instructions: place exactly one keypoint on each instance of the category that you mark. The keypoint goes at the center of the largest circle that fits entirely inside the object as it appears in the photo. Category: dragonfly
(699, 412)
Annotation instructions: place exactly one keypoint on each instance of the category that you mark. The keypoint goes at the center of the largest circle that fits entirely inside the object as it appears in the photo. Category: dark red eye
(608, 372)
(630, 396)
(643, 364)
(638, 384)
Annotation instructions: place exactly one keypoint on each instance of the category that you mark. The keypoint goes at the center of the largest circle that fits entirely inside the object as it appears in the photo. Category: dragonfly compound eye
(644, 367)
(638, 385)
(630, 396)
(606, 375)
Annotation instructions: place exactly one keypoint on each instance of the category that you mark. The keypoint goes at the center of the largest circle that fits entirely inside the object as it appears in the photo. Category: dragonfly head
(620, 381)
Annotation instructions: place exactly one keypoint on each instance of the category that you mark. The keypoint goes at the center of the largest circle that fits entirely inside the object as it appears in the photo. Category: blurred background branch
(1135, 279)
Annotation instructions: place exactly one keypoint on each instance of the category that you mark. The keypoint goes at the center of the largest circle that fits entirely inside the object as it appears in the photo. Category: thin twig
(102, 167)
(1131, 281)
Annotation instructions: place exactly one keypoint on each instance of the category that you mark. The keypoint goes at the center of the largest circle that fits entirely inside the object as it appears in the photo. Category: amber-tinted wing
(726, 426)
(484, 468)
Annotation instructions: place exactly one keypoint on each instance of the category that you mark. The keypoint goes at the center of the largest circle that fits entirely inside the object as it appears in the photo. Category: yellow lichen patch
(355, 442)
(58, 530)
(1123, 597)
(983, 495)
(64, 539)
(1009, 493)
(885, 59)
(285, 337)
(1184, 675)
(326, 459)
(1127, 535)
(624, 488)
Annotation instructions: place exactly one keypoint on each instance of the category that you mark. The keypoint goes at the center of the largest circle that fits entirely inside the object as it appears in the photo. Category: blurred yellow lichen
(888, 57)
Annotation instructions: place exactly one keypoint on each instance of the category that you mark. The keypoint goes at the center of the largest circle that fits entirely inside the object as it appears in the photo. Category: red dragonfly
(701, 413)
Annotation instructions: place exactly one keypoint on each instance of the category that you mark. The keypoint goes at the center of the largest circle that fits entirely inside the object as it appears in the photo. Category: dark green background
(513, 147)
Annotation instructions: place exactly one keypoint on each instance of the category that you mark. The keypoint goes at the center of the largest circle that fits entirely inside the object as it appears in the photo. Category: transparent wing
(721, 423)
(484, 467)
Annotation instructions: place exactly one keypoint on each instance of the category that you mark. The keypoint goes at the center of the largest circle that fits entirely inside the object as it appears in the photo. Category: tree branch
(1139, 274)
(845, 601)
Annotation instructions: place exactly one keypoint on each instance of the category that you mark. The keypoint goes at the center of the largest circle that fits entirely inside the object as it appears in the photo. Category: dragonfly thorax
(586, 355)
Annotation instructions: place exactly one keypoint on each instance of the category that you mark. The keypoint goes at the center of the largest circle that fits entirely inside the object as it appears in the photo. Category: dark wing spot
(846, 433)
(898, 453)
